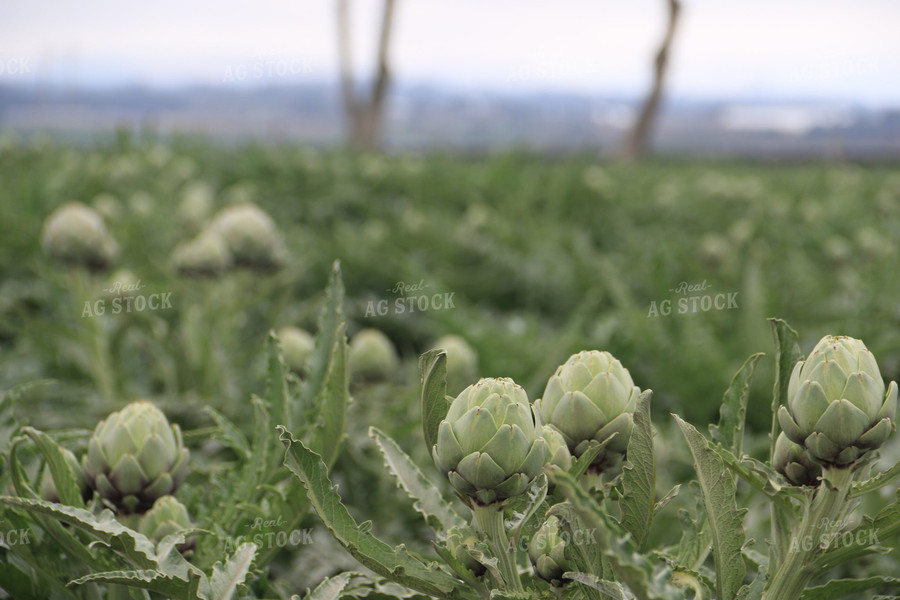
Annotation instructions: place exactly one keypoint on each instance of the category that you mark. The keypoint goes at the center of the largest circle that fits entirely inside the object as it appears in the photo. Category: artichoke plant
(837, 407)
(135, 456)
(462, 362)
(372, 355)
(250, 235)
(590, 398)
(165, 517)
(547, 552)
(793, 461)
(204, 256)
(490, 444)
(557, 449)
(76, 235)
(296, 346)
(48, 488)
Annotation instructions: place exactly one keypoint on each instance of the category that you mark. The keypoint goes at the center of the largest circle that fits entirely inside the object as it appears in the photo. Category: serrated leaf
(732, 414)
(276, 381)
(725, 521)
(664, 501)
(433, 369)
(331, 587)
(66, 539)
(146, 579)
(395, 564)
(787, 353)
(428, 499)
(136, 548)
(319, 361)
(838, 588)
(639, 476)
(229, 433)
(225, 578)
(254, 470)
(612, 589)
(876, 481)
(581, 464)
(326, 438)
(63, 478)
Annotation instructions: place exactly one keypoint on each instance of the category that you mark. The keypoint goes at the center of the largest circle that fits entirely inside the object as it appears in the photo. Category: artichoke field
(208, 388)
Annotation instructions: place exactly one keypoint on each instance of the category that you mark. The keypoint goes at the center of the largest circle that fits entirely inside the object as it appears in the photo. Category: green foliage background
(544, 257)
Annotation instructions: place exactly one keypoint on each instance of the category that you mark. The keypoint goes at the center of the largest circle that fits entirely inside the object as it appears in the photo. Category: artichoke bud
(135, 456)
(165, 517)
(837, 407)
(48, 488)
(296, 346)
(462, 362)
(590, 398)
(76, 235)
(372, 355)
(793, 461)
(251, 236)
(204, 256)
(547, 552)
(557, 449)
(461, 543)
(490, 444)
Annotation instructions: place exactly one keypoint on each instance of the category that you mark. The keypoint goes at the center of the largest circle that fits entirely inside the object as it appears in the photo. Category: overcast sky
(829, 49)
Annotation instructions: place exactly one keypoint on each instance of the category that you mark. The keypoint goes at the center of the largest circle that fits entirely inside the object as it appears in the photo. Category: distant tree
(636, 141)
(364, 112)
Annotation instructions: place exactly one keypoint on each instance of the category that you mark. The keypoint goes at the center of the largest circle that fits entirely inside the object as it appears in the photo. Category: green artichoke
(590, 398)
(372, 355)
(547, 552)
(250, 235)
(462, 362)
(837, 407)
(206, 255)
(135, 456)
(557, 449)
(296, 346)
(490, 445)
(793, 461)
(48, 488)
(165, 517)
(460, 543)
(76, 235)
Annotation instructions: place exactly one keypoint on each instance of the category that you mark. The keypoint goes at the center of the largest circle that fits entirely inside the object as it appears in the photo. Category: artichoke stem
(489, 521)
(95, 341)
(818, 526)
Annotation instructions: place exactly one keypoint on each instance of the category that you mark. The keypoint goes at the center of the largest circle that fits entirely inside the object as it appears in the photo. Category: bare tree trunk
(364, 115)
(635, 145)
(345, 56)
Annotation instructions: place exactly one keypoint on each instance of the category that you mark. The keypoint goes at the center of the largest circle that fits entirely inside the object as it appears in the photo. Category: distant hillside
(423, 118)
